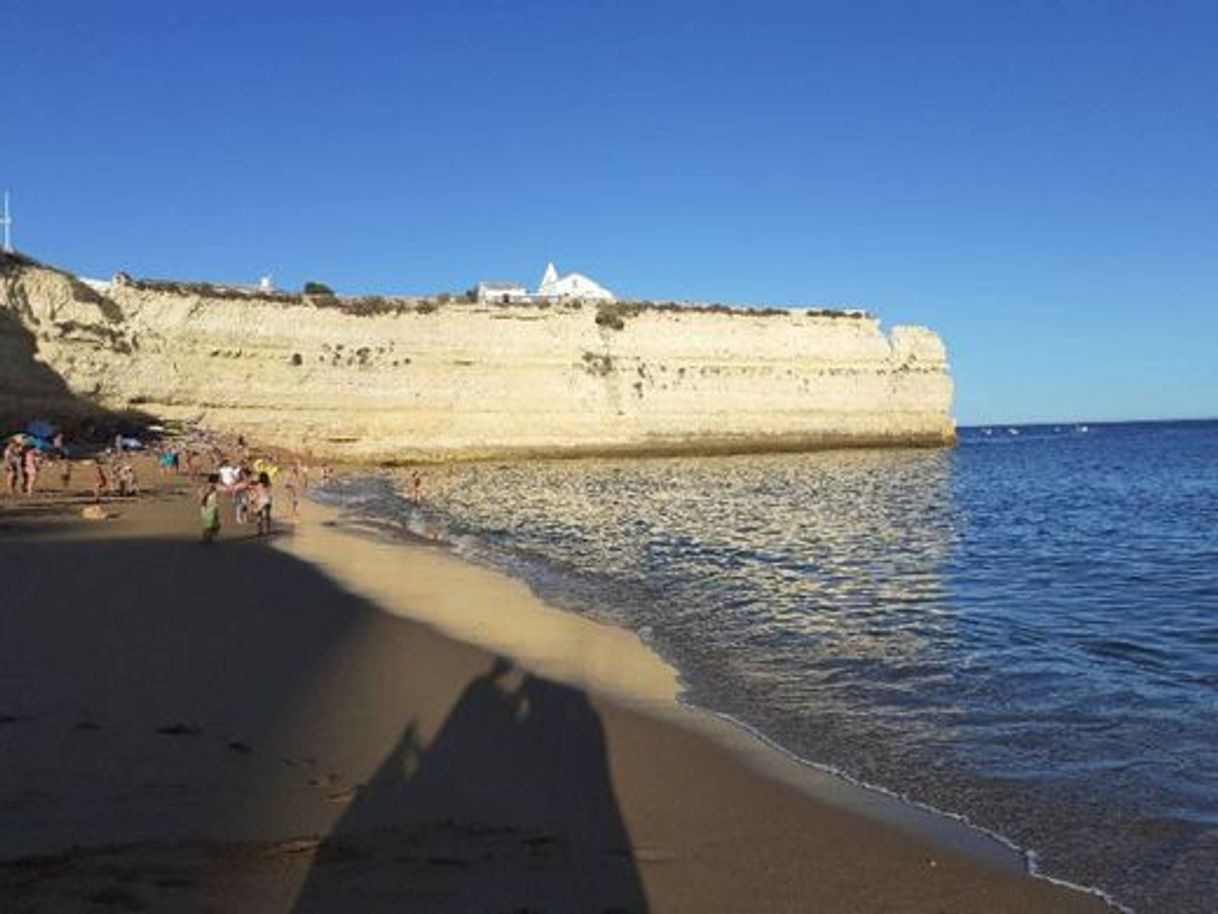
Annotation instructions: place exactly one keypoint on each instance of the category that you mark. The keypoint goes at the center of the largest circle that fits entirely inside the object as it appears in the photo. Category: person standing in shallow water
(209, 508)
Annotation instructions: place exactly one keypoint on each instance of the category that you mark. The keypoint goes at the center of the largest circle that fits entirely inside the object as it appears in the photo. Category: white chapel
(572, 285)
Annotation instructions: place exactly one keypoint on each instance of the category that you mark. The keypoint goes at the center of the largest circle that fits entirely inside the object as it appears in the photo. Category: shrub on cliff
(317, 288)
(613, 314)
(368, 305)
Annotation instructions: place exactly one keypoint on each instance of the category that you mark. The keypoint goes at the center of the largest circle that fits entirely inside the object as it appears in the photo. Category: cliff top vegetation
(612, 315)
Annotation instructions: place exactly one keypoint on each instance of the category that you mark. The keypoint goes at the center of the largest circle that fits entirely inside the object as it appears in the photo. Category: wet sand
(323, 722)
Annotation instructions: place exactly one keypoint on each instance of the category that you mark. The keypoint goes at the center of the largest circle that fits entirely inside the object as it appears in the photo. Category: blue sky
(1036, 181)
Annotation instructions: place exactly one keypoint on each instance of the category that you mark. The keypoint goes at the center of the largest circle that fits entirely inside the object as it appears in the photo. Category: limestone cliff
(411, 380)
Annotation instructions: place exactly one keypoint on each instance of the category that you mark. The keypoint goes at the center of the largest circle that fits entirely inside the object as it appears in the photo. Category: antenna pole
(6, 222)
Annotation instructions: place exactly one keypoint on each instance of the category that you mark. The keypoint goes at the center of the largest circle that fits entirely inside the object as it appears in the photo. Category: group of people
(249, 485)
(247, 481)
(27, 457)
(23, 460)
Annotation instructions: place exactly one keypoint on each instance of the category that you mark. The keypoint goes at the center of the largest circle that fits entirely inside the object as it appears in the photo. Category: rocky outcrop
(408, 380)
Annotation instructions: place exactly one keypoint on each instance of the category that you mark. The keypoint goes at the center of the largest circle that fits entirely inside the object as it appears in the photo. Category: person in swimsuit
(100, 482)
(33, 460)
(12, 466)
(209, 508)
(262, 503)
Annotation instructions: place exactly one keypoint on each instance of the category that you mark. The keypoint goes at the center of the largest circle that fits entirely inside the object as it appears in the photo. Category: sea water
(1022, 630)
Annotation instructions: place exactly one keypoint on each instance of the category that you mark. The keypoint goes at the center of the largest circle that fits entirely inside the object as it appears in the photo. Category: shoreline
(661, 698)
(248, 645)
(709, 446)
(635, 676)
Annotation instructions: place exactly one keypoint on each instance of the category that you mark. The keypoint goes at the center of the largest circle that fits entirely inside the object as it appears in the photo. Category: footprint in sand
(341, 796)
(295, 847)
(179, 729)
(328, 781)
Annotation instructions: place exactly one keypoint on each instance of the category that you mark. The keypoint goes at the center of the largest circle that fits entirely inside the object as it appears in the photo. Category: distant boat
(1012, 431)
(1081, 428)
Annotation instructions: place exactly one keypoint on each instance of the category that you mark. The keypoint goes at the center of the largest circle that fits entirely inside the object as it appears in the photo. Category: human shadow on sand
(509, 808)
(240, 708)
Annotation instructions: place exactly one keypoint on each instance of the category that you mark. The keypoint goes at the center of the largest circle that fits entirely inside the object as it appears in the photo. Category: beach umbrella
(40, 428)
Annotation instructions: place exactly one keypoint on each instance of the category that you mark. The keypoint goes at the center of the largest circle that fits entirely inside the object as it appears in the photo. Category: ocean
(1021, 631)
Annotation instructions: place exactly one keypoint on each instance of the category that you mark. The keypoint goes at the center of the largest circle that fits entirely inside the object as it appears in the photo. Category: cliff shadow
(31, 389)
(511, 807)
(182, 724)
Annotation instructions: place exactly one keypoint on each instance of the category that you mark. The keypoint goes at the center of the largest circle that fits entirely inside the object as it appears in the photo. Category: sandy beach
(324, 722)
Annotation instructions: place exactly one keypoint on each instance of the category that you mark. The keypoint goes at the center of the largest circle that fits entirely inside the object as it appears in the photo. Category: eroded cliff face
(468, 380)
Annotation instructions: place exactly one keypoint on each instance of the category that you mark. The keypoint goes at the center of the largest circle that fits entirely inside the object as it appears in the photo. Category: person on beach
(125, 474)
(165, 463)
(416, 487)
(12, 466)
(229, 475)
(289, 486)
(262, 503)
(100, 482)
(209, 508)
(241, 502)
(242, 493)
(31, 463)
(65, 470)
(59, 450)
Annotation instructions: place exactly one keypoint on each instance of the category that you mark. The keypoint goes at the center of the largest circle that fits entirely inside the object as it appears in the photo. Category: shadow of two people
(509, 808)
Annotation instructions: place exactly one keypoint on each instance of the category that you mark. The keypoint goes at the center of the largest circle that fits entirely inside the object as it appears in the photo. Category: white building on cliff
(503, 292)
(573, 285)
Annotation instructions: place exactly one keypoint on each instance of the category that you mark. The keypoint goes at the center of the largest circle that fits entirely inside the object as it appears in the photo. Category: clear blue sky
(1036, 181)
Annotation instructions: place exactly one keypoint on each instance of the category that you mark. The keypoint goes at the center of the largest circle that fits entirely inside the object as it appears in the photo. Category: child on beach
(100, 482)
(262, 503)
(209, 508)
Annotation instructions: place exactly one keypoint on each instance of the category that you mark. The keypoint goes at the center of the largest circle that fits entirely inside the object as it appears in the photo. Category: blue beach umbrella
(40, 428)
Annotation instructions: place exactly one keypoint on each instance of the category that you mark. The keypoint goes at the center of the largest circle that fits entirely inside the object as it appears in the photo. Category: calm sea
(1022, 631)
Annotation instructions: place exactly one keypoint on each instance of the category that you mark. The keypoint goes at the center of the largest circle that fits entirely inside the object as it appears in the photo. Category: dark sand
(191, 728)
